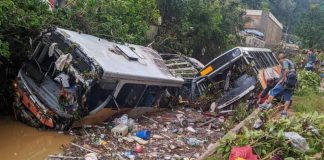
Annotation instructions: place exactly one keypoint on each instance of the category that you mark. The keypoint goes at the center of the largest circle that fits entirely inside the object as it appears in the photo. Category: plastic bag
(297, 141)
(242, 153)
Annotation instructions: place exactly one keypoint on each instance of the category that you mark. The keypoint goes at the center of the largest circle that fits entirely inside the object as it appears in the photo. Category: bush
(270, 140)
(307, 82)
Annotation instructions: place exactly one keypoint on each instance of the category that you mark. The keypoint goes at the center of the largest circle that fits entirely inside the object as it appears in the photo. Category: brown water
(21, 142)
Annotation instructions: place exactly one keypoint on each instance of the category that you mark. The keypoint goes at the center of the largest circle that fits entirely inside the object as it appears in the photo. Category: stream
(21, 142)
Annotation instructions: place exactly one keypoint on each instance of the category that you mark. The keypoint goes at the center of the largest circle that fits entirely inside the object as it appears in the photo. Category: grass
(309, 102)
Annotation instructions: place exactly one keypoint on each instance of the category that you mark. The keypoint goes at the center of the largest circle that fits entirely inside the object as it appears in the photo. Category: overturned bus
(236, 73)
(82, 79)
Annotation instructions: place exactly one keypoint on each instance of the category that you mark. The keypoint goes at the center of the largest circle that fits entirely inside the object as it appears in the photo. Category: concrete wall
(272, 30)
(253, 22)
(266, 23)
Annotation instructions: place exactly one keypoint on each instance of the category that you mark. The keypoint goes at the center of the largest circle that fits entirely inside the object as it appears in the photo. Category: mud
(21, 142)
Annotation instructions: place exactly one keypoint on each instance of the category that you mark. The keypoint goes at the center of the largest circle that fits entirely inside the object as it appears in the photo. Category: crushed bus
(75, 78)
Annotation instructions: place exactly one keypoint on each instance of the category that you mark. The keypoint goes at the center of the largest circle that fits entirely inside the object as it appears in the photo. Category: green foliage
(198, 28)
(4, 49)
(240, 113)
(307, 81)
(311, 28)
(270, 139)
(17, 20)
(121, 20)
(126, 20)
(310, 101)
(288, 12)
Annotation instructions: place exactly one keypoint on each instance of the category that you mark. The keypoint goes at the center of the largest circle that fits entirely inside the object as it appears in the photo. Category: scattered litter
(191, 129)
(166, 139)
(258, 124)
(241, 153)
(150, 119)
(314, 130)
(90, 156)
(63, 157)
(144, 134)
(129, 155)
(297, 141)
(213, 107)
(128, 139)
(194, 142)
(155, 136)
(120, 131)
(212, 120)
(138, 148)
(139, 140)
(83, 148)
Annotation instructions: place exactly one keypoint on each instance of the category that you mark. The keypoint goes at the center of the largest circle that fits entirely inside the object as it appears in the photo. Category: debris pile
(299, 137)
(171, 134)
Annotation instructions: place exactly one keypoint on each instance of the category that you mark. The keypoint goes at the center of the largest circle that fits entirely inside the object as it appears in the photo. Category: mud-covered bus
(82, 79)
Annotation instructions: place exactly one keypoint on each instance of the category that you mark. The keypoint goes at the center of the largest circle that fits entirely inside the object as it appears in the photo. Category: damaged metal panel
(185, 67)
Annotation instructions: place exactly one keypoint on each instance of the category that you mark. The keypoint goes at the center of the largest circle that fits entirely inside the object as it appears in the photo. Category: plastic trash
(213, 107)
(194, 142)
(90, 156)
(314, 130)
(258, 124)
(242, 153)
(144, 134)
(297, 141)
(129, 155)
(191, 129)
(123, 119)
(184, 122)
(120, 131)
(139, 140)
(138, 148)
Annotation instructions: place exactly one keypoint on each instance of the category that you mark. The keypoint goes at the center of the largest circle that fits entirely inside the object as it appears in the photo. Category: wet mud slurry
(21, 142)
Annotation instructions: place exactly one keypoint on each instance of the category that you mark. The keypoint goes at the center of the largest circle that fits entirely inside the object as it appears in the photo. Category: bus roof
(127, 61)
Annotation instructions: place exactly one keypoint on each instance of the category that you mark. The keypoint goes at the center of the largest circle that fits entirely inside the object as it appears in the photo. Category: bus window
(150, 96)
(99, 93)
(130, 94)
